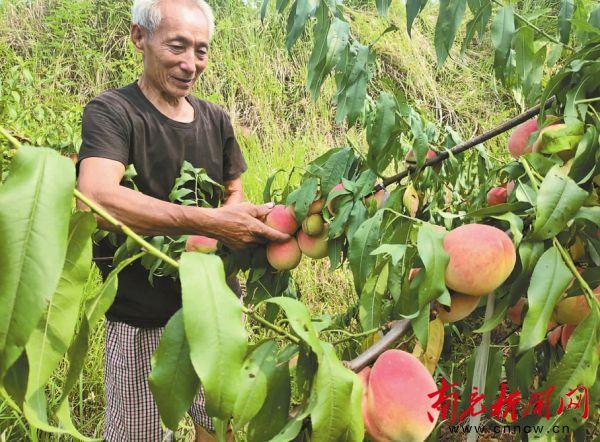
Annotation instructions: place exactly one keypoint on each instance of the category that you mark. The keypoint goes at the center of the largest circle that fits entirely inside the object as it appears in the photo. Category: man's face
(177, 52)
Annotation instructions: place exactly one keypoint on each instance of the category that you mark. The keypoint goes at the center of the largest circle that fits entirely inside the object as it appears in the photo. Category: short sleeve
(105, 132)
(233, 159)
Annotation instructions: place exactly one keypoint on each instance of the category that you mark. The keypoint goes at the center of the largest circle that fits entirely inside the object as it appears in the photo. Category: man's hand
(240, 225)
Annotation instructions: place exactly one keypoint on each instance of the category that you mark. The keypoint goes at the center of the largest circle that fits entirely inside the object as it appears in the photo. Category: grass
(58, 54)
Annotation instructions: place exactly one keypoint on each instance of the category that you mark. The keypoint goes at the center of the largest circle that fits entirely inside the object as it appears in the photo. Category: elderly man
(155, 124)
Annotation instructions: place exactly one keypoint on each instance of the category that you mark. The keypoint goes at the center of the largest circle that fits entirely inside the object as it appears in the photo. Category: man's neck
(176, 108)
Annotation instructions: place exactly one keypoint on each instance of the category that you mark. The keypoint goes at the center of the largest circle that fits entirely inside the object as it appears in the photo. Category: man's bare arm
(234, 192)
(236, 225)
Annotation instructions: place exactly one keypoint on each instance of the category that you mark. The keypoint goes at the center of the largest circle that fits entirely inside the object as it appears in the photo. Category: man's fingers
(273, 235)
(263, 210)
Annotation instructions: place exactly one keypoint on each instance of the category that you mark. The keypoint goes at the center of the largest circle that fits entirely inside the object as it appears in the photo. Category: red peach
(461, 306)
(282, 218)
(315, 247)
(496, 195)
(481, 258)
(284, 255)
(554, 336)
(567, 331)
(202, 244)
(517, 143)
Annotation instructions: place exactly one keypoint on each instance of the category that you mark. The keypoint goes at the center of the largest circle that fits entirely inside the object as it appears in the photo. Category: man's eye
(177, 47)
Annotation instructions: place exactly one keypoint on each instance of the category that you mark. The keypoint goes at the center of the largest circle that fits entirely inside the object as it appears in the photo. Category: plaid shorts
(131, 413)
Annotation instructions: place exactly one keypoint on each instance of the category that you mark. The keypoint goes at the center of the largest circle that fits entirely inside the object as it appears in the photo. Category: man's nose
(187, 63)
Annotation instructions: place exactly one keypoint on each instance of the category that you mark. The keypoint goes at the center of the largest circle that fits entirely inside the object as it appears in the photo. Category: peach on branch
(200, 243)
(315, 247)
(411, 159)
(316, 206)
(380, 197)
(515, 313)
(313, 225)
(332, 206)
(282, 218)
(461, 306)
(396, 402)
(481, 258)
(567, 331)
(497, 195)
(518, 140)
(284, 255)
(554, 336)
(574, 309)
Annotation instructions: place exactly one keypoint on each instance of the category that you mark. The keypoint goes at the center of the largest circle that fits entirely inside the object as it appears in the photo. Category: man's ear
(138, 35)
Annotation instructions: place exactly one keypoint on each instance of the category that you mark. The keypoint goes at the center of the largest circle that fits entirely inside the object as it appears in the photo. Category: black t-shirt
(123, 125)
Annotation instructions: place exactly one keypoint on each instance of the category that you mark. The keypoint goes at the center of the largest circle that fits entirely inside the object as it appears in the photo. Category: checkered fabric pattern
(131, 413)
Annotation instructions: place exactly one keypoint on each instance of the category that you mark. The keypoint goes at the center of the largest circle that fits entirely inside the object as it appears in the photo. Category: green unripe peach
(313, 225)
(284, 255)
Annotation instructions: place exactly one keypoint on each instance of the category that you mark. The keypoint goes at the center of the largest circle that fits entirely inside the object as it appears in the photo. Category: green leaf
(371, 299)
(579, 365)
(35, 207)
(305, 195)
(549, 280)
(564, 20)
(503, 29)
(299, 319)
(365, 240)
(591, 214)
(337, 393)
(515, 224)
(430, 245)
(299, 15)
(383, 6)
(272, 416)
(173, 381)
(217, 338)
(253, 386)
(449, 18)
(352, 86)
(558, 200)
(263, 10)
(394, 251)
(584, 163)
(499, 209)
(482, 11)
(51, 339)
(333, 169)
(380, 131)
(413, 8)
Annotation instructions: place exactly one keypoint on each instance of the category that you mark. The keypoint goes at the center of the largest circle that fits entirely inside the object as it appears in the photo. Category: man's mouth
(186, 81)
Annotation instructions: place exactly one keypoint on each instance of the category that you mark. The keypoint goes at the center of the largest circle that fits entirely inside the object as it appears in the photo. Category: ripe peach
(380, 197)
(461, 307)
(202, 244)
(315, 247)
(517, 142)
(481, 258)
(396, 406)
(282, 218)
(284, 255)
(411, 159)
(496, 195)
(515, 313)
(567, 331)
(316, 206)
(574, 309)
(554, 336)
(332, 204)
(313, 225)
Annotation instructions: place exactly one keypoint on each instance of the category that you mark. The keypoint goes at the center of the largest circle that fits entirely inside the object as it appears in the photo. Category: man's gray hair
(146, 13)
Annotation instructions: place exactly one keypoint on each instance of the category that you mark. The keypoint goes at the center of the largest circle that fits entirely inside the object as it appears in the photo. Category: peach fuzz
(200, 243)
(397, 402)
(315, 247)
(282, 218)
(481, 258)
(461, 306)
(284, 255)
